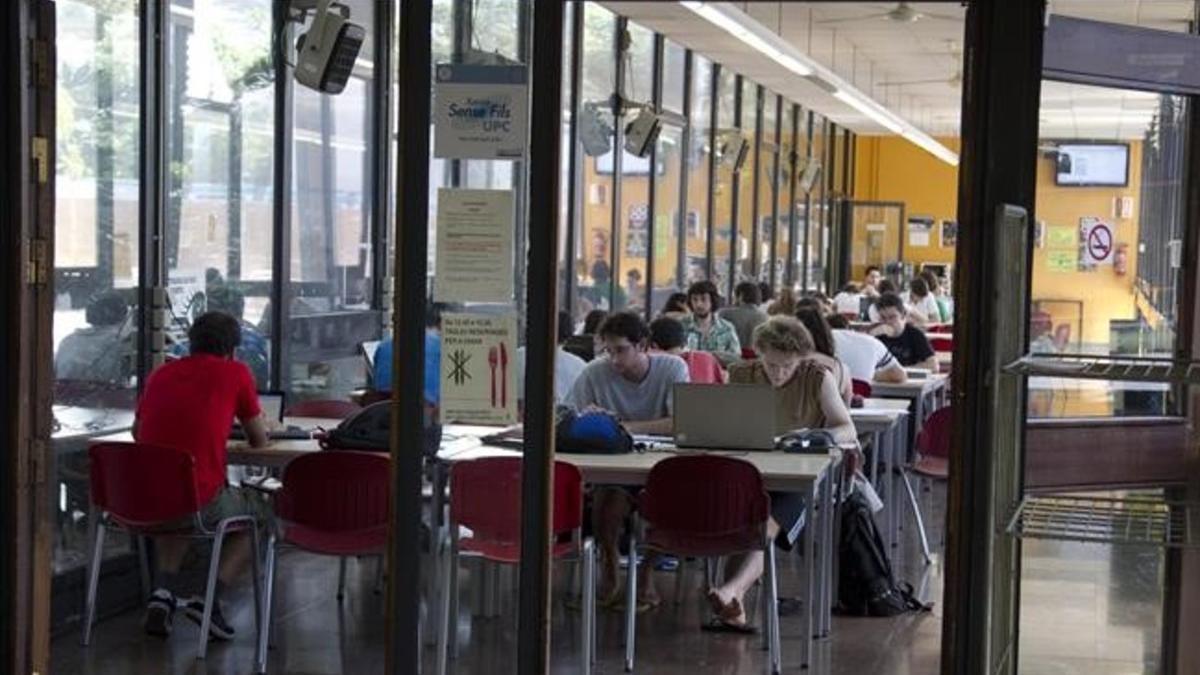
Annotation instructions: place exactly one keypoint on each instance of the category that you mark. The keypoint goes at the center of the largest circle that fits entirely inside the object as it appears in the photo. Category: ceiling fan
(903, 12)
(954, 81)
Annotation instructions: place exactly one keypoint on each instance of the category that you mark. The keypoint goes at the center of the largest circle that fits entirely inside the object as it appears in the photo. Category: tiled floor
(1087, 610)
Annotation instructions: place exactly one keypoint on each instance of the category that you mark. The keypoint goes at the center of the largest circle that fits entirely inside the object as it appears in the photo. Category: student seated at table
(707, 332)
(103, 350)
(190, 404)
(884, 286)
(676, 307)
(668, 337)
(871, 280)
(636, 387)
(745, 314)
(848, 301)
(567, 366)
(905, 341)
(866, 357)
(807, 399)
(922, 306)
(825, 351)
(381, 377)
(583, 345)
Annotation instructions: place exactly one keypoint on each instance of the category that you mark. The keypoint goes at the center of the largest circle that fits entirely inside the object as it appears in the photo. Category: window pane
(783, 240)
(745, 216)
(723, 186)
(666, 214)
(219, 241)
(96, 252)
(672, 93)
(815, 274)
(329, 280)
(698, 152)
(1107, 259)
(593, 252)
(565, 259)
(634, 210)
(767, 184)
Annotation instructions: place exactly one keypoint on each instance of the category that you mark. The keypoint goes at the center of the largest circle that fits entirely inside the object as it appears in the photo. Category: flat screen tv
(1083, 164)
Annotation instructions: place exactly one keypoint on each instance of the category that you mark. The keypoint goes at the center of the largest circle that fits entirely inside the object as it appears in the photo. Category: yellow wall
(892, 169)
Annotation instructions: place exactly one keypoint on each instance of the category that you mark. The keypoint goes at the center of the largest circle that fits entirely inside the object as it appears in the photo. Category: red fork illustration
(493, 357)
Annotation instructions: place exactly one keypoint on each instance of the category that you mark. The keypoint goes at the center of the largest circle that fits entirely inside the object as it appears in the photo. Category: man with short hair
(636, 387)
(745, 315)
(189, 404)
(707, 332)
(103, 350)
(905, 341)
(381, 376)
(870, 285)
(865, 357)
(668, 337)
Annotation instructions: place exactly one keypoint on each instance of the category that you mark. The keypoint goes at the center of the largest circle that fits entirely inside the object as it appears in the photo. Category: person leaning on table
(807, 398)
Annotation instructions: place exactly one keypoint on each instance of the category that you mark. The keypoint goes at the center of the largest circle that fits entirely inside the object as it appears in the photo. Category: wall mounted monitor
(1081, 164)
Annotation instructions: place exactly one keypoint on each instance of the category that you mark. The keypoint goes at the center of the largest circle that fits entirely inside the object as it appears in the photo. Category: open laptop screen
(272, 404)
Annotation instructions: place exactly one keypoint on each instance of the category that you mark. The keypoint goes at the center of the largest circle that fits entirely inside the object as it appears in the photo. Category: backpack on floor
(866, 585)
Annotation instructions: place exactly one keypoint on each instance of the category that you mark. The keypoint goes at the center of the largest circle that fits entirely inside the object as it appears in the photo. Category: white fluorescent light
(753, 34)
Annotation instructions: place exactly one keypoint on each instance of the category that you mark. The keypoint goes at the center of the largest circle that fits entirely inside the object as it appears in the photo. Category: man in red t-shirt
(669, 336)
(190, 404)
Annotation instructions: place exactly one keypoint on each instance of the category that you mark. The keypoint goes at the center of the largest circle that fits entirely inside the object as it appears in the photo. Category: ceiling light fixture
(753, 34)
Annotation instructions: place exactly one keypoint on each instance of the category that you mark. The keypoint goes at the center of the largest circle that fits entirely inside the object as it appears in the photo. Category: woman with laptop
(807, 398)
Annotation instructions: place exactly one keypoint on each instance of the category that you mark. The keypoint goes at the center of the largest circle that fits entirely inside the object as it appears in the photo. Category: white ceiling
(913, 67)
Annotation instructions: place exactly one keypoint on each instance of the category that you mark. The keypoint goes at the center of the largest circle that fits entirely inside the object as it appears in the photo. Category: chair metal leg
(588, 593)
(631, 602)
(341, 578)
(680, 573)
(912, 500)
(268, 592)
(451, 581)
(772, 604)
(255, 577)
(379, 575)
(144, 565)
(443, 612)
(210, 592)
(89, 611)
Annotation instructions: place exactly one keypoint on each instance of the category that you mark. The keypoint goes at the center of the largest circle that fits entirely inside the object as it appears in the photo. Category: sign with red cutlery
(479, 378)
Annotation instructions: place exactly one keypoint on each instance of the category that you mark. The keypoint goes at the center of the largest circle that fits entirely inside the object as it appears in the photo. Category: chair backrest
(485, 497)
(861, 388)
(329, 408)
(704, 496)
(941, 343)
(940, 328)
(345, 491)
(748, 353)
(141, 485)
(935, 437)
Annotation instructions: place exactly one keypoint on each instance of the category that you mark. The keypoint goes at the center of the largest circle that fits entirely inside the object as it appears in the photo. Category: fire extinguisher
(1121, 259)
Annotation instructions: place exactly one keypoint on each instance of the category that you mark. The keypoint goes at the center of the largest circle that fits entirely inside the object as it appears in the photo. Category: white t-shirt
(927, 307)
(862, 353)
(567, 368)
(847, 303)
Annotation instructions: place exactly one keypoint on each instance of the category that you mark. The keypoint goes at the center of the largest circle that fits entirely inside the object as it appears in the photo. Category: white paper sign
(474, 246)
(479, 369)
(480, 112)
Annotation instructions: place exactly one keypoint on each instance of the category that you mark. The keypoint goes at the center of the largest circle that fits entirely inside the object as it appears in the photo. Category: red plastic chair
(748, 354)
(704, 506)
(329, 408)
(861, 388)
(485, 498)
(933, 462)
(941, 343)
(331, 503)
(140, 488)
(940, 329)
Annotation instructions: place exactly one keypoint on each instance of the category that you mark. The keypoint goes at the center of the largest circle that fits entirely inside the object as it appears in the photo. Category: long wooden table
(924, 396)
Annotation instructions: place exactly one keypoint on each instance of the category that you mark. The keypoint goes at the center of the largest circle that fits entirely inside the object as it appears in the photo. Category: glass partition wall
(272, 206)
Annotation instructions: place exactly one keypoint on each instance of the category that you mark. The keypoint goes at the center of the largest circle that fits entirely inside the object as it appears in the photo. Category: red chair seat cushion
(508, 552)
(932, 467)
(371, 541)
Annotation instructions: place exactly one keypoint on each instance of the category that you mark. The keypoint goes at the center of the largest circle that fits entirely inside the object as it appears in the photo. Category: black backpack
(370, 429)
(866, 585)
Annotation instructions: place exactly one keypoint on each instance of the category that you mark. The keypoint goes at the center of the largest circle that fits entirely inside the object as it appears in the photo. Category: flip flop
(643, 605)
(724, 611)
(718, 625)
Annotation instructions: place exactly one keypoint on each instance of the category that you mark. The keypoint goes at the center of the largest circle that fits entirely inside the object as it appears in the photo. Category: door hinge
(40, 153)
(37, 260)
(39, 62)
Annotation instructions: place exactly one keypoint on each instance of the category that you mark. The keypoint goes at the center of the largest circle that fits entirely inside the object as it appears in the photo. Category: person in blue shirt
(381, 377)
(254, 351)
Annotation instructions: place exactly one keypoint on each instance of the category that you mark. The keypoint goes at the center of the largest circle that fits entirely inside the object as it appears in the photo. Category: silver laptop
(725, 416)
(271, 403)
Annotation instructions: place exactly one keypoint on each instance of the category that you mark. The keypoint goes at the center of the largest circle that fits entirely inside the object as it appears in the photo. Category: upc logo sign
(487, 114)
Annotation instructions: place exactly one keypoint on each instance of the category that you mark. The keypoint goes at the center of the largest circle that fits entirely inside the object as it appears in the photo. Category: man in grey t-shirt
(745, 315)
(636, 387)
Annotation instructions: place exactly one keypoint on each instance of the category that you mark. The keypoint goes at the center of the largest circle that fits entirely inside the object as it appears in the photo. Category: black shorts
(789, 510)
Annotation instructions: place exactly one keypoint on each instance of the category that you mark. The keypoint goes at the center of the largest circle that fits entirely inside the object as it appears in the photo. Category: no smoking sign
(1098, 242)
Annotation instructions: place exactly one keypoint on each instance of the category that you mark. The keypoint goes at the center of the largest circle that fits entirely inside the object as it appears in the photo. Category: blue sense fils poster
(480, 112)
